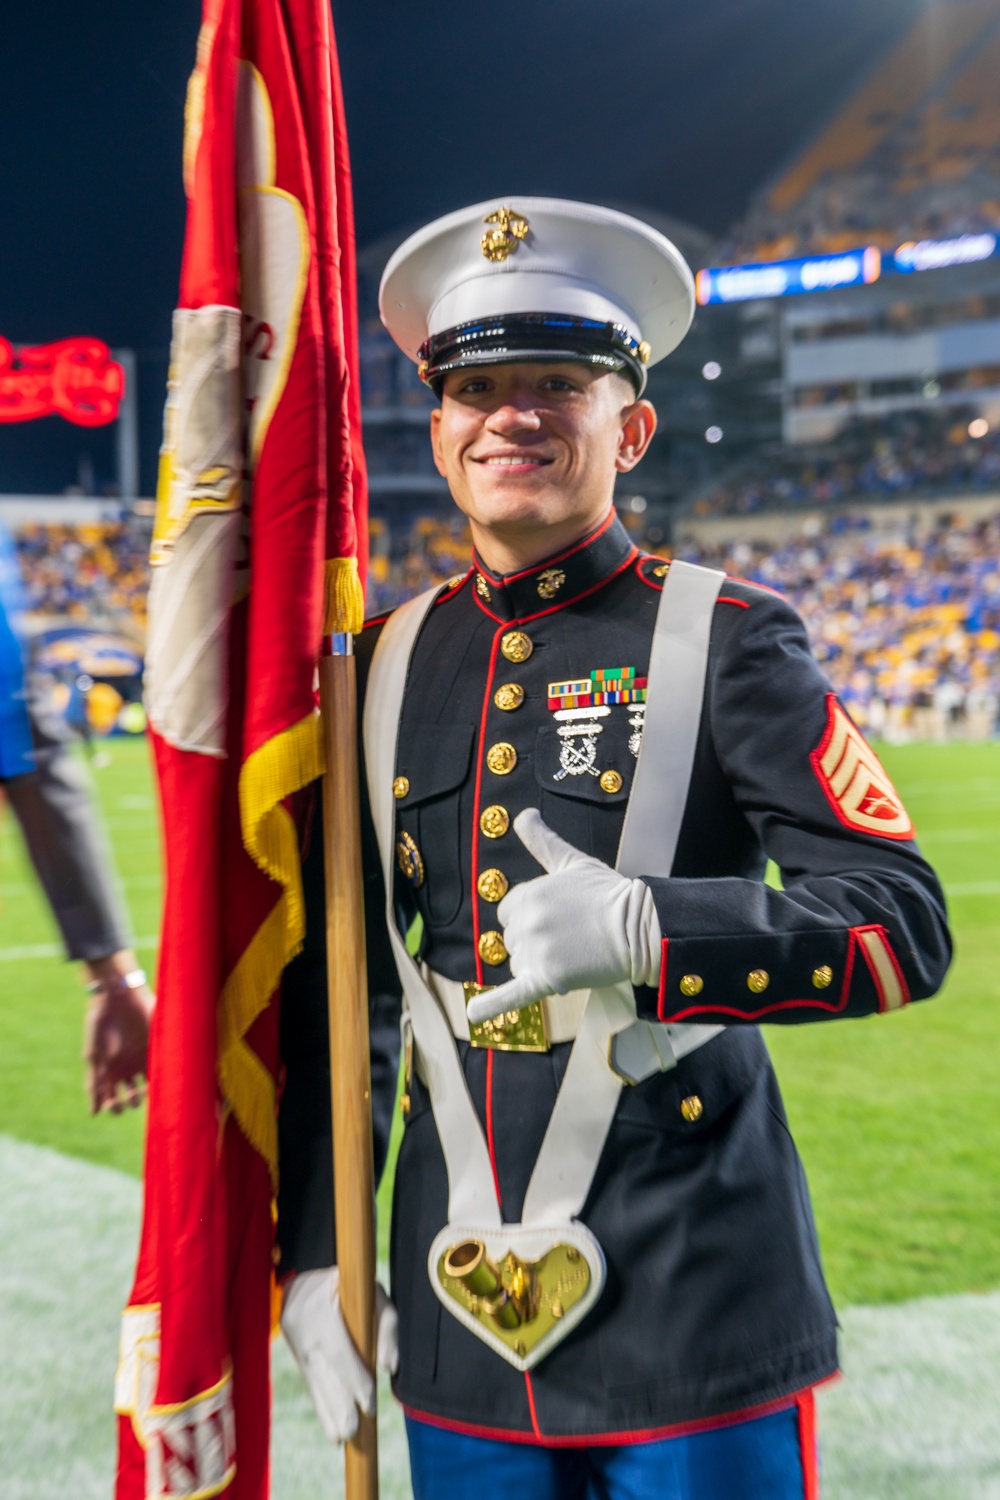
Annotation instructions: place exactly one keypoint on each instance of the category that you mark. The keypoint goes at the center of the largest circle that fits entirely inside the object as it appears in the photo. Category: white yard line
(56, 950)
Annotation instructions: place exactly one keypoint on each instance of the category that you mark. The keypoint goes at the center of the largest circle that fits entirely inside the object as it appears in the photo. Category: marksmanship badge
(580, 704)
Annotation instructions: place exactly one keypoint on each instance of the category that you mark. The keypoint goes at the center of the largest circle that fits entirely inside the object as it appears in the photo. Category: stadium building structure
(890, 220)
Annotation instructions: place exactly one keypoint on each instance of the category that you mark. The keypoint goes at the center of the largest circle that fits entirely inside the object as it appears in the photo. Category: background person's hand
(339, 1382)
(579, 926)
(116, 1033)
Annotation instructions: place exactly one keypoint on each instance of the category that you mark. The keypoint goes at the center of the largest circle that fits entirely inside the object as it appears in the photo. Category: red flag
(258, 550)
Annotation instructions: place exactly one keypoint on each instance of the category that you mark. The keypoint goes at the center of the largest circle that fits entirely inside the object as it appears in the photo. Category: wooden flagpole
(350, 1065)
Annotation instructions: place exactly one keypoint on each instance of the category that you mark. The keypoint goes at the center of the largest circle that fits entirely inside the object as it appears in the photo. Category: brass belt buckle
(514, 1031)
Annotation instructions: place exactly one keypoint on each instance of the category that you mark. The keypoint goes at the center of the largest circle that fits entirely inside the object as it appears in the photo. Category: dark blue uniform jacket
(715, 1301)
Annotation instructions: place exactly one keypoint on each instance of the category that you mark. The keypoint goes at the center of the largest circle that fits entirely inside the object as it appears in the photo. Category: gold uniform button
(492, 948)
(516, 646)
(501, 758)
(692, 984)
(400, 786)
(610, 781)
(494, 821)
(509, 696)
(822, 977)
(492, 885)
(758, 981)
(692, 1108)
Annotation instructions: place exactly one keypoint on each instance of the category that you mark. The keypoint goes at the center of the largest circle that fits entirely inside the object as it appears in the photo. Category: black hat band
(514, 337)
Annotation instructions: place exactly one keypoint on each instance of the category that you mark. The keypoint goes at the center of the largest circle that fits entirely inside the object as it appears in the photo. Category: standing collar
(556, 580)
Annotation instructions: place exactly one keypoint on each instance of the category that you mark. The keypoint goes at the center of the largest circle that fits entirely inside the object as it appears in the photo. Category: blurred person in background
(49, 796)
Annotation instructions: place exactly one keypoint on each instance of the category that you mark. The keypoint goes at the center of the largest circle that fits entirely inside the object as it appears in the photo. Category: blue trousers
(766, 1458)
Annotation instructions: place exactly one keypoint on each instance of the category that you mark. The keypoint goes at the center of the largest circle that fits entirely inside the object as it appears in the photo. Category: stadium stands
(899, 455)
(907, 625)
(913, 152)
(98, 574)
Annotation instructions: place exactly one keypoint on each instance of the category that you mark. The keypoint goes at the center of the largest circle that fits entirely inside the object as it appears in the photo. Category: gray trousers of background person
(66, 842)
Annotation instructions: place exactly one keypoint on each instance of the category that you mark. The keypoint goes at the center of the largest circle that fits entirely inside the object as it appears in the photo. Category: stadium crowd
(95, 573)
(906, 625)
(905, 454)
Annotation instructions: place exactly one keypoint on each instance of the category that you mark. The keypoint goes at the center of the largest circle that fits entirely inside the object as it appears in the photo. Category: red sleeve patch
(855, 781)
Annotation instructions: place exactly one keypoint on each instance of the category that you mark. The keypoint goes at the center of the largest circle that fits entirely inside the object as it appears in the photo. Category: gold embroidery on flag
(855, 781)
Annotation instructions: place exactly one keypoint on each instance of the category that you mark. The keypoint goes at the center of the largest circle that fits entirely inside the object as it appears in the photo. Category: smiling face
(530, 453)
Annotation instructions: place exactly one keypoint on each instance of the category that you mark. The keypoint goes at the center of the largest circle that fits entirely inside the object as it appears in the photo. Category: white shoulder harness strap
(588, 1097)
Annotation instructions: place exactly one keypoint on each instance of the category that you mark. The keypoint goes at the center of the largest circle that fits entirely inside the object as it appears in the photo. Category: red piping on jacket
(476, 835)
(531, 1405)
(455, 589)
(548, 561)
(554, 608)
(616, 1439)
(658, 587)
(834, 1008)
(489, 1126)
(873, 971)
(476, 831)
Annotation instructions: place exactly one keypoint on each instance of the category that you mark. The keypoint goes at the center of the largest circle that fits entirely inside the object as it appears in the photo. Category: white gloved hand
(580, 926)
(334, 1371)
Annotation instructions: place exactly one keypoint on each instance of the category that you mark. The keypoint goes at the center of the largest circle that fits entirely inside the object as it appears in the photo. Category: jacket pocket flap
(592, 769)
(434, 760)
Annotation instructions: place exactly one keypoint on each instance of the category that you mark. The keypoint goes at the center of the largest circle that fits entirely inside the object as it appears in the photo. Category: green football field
(896, 1117)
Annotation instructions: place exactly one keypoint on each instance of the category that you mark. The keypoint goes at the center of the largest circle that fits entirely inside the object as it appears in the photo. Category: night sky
(684, 107)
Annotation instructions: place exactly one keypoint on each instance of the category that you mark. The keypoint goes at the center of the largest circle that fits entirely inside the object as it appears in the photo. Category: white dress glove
(317, 1335)
(581, 926)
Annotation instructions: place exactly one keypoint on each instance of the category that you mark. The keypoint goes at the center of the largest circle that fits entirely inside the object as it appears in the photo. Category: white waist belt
(635, 1054)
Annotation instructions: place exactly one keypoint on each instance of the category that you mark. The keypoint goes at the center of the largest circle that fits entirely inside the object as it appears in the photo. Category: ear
(638, 426)
(436, 447)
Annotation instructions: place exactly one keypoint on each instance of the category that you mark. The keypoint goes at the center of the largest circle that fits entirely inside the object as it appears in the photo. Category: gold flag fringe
(277, 768)
(344, 598)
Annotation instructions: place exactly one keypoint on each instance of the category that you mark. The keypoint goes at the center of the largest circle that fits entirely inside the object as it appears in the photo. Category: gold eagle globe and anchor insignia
(507, 231)
(550, 582)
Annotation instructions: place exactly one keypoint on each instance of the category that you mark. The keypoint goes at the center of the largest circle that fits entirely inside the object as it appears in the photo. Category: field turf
(896, 1117)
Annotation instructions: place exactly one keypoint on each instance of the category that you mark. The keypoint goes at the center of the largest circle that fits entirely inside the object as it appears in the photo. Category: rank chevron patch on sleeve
(855, 781)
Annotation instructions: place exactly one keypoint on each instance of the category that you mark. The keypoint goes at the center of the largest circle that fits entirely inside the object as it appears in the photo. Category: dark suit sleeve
(65, 841)
(860, 926)
(305, 1146)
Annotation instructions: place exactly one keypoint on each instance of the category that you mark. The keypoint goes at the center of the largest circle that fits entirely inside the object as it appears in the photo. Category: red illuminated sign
(74, 378)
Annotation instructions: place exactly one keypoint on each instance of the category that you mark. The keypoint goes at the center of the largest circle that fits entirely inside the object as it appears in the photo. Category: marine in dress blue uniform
(693, 1372)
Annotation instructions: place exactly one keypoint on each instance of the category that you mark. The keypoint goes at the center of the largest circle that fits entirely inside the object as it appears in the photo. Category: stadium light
(978, 427)
(712, 370)
(637, 504)
(713, 434)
